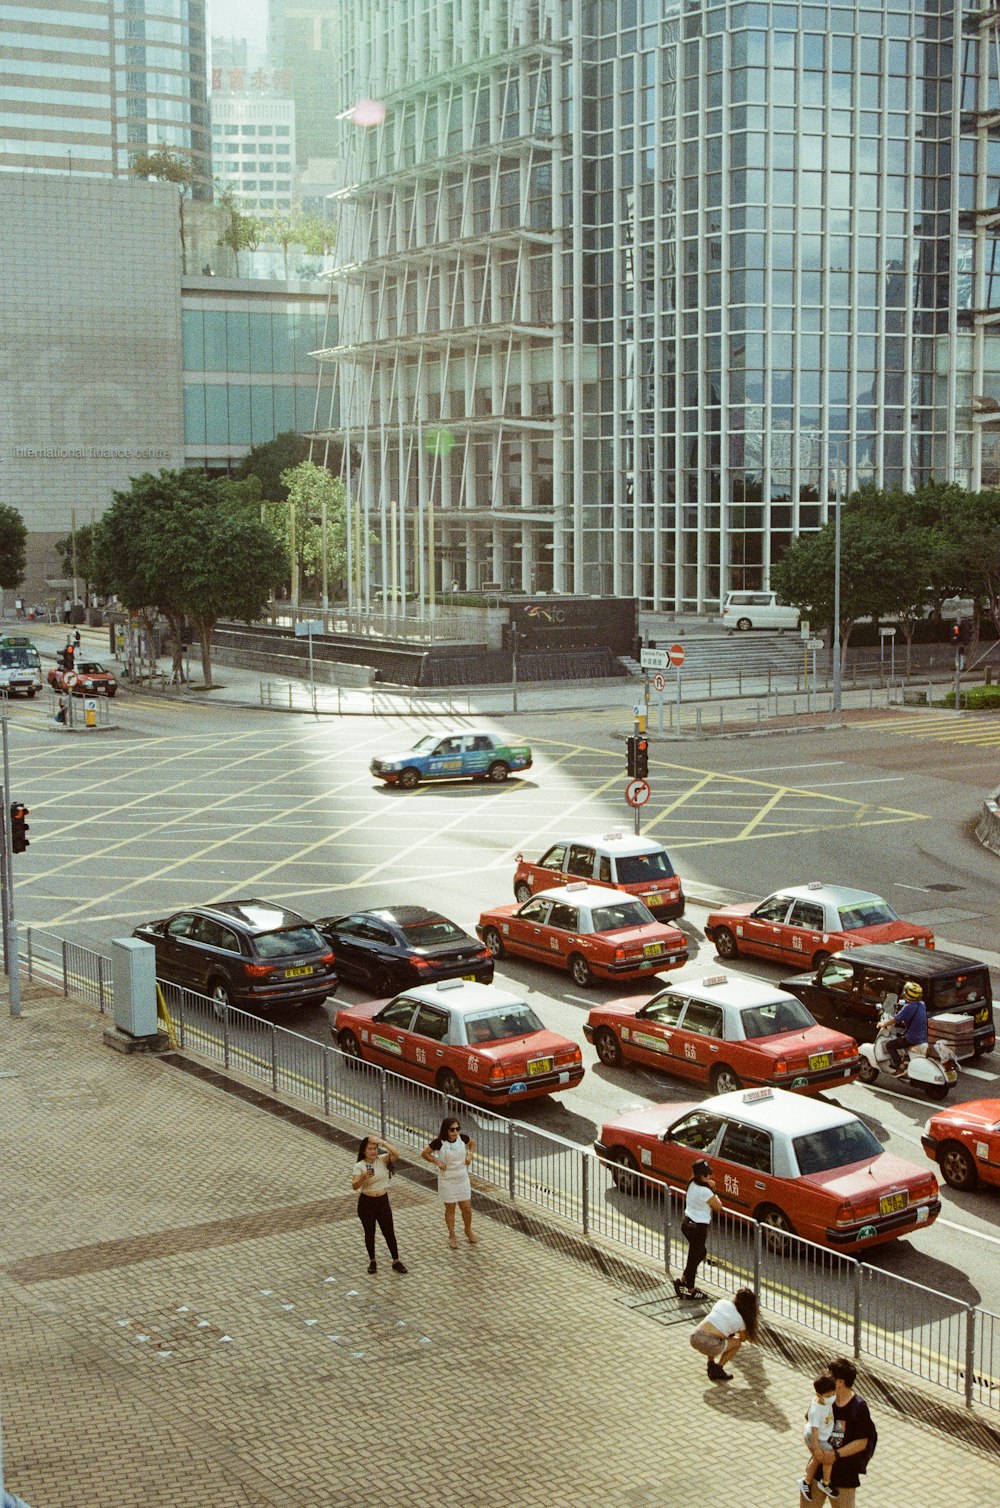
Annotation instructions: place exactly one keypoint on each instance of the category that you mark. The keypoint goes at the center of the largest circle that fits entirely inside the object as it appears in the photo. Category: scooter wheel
(936, 1091)
(867, 1072)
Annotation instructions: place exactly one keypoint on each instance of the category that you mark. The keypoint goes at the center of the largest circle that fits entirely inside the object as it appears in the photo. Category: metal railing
(852, 1304)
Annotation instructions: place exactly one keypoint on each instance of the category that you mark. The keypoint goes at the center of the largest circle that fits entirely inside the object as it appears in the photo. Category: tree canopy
(268, 460)
(13, 546)
(186, 545)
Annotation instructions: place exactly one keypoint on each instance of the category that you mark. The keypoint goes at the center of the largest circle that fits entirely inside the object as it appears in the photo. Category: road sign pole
(678, 674)
(637, 729)
(661, 712)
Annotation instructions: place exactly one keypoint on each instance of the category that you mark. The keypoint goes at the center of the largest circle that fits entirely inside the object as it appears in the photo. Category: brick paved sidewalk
(185, 1318)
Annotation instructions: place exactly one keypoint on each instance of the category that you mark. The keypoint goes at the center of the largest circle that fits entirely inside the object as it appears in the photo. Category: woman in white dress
(451, 1152)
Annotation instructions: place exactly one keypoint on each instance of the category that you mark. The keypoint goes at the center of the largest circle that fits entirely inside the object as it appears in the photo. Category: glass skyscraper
(85, 86)
(629, 288)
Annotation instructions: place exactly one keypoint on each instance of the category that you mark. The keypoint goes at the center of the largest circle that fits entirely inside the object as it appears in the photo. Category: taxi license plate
(652, 950)
(819, 1060)
(469, 976)
(982, 1016)
(890, 1203)
(297, 973)
(656, 899)
(539, 1065)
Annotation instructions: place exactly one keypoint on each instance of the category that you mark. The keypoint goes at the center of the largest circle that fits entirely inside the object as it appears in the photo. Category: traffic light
(18, 827)
(642, 757)
(961, 633)
(631, 753)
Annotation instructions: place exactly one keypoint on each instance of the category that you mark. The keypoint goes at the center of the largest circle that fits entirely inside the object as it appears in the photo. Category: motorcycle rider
(910, 1026)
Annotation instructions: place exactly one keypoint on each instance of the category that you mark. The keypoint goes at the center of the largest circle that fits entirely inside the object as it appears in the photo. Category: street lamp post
(837, 686)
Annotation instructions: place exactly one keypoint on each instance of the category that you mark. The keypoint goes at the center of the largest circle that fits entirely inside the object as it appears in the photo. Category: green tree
(240, 231)
(85, 561)
(168, 165)
(284, 231)
(13, 546)
(312, 490)
(183, 544)
(268, 460)
(318, 236)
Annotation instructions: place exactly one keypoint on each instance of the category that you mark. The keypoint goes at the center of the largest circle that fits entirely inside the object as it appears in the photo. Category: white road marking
(900, 886)
(979, 1073)
(816, 764)
(966, 1230)
(819, 785)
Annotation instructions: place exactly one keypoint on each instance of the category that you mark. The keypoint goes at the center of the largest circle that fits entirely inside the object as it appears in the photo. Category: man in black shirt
(853, 1435)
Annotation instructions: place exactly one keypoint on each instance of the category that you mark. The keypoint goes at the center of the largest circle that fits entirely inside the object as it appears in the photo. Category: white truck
(20, 666)
(747, 610)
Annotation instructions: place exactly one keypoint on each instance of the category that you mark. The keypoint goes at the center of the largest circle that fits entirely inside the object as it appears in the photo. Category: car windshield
(500, 1024)
(91, 667)
(623, 914)
(637, 868)
(866, 914)
(430, 931)
(836, 1147)
(961, 989)
(775, 1017)
(425, 744)
(288, 941)
(20, 657)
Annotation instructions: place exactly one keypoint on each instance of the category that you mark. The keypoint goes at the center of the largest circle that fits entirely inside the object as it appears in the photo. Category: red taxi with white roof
(593, 931)
(639, 866)
(795, 1164)
(471, 1041)
(964, 1141)
(808, 923)
(726, 1033)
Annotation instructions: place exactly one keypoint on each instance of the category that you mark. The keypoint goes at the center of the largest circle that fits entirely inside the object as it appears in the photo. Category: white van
(746, 610)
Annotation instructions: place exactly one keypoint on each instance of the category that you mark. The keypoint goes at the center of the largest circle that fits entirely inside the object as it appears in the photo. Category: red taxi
(469, 1040)
(725, 1033)
(809, 922)
(964, 1141)
(795, 1164)
(594, 932)
(639, 866)
(92, 679)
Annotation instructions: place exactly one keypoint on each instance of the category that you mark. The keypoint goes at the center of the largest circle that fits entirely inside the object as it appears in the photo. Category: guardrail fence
(852, 1304)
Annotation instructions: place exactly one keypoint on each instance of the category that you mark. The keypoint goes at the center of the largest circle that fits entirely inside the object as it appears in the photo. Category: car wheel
(608, 1048)
(110, 695)
(221, 999)
(725, 943)
(450, 1084)
(743, 624)
(31, 692)
(580, 970)
(349, 1045)
(498, 772)
(522, 892)
(937, 1091)
(777, 1227)
(819, 959)
(724, 1080)
(494, 942)
(624, 1171)
(409, 778)
(867, 1072)
(957, 1167)
(382, 985)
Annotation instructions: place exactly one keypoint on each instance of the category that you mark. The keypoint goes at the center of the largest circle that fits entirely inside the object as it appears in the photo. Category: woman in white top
(451, 1152)
(370, 1180)
(700, 1202)
(724, 1329)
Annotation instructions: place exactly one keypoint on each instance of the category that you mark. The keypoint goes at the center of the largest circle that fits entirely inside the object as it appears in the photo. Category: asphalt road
(187, 803)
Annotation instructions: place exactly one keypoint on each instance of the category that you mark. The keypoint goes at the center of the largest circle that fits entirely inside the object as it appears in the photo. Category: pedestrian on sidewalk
(370, 1180)
(724, 1329)
(700, 1203)
(853, 1439)
(451, 1152)
(819, 1428)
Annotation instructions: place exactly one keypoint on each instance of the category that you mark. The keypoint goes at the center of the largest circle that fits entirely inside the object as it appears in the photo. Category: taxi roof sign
(576, 885)
(450, 984)
(751, 1096)
(713, 979)
(815, 885)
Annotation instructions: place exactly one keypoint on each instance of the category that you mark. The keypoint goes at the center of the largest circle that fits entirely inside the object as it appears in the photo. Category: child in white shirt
(819, 1427)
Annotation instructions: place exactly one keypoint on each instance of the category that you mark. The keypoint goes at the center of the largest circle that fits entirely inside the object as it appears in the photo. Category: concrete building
(253, 145)
(86, 85)
(629, 288)
(115, 363)
(304, 38)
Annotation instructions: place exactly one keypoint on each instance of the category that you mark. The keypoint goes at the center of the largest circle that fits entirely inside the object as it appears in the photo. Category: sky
(239, 18)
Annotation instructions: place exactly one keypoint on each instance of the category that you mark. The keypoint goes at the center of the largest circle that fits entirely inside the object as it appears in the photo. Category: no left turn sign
(637, 792)
(69, 681)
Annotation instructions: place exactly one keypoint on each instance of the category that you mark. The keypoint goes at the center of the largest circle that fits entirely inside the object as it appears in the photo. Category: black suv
(243, 953)
(850, 990)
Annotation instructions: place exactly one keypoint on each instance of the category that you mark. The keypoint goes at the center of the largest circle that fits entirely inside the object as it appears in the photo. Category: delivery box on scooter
(853, 988)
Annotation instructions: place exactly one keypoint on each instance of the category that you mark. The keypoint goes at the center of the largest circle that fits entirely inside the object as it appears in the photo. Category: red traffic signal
(18, 827)
(637, 755)
(961, 632)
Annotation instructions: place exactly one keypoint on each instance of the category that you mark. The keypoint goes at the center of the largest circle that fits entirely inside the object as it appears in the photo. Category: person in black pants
(370, 1181)
(700, 1203)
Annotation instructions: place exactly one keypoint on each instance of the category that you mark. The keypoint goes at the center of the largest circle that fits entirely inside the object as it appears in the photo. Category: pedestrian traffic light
(18, 827)
(642, 758)
(965, 628)
(631, 753)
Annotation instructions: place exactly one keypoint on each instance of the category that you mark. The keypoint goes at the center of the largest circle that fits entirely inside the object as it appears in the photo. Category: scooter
(932, 1067)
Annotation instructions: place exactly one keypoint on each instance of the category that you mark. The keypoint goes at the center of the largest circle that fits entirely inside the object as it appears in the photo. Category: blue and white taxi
(464, 754)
